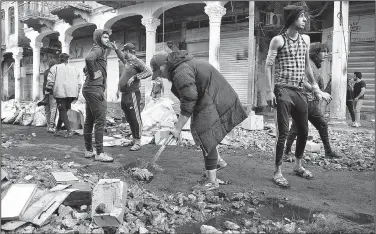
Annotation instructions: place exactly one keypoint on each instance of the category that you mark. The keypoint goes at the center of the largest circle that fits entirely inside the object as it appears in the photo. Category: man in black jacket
(132, 70)
(93, 92)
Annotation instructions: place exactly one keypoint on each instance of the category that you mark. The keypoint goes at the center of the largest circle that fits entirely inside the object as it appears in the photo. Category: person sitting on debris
(317, 54)
(50, 102)
(132, 70)
(206, 97)
(65, 83)
(157, 90)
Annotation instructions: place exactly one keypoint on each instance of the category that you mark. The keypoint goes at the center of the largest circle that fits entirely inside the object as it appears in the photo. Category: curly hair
(316, 48)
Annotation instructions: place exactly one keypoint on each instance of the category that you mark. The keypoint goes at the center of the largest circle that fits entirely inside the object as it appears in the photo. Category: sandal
(281, 181)
(304, 173)
(135, 147)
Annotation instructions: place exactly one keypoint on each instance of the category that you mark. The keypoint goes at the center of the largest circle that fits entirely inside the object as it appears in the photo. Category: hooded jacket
(95, 61)
(206, 96)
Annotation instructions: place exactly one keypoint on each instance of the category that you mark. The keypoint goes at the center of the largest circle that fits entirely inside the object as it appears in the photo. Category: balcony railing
(119, 4)
(61, 5)
(35, 10)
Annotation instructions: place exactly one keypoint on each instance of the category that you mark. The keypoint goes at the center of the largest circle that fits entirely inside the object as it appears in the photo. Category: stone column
(251, 57)
(6, 24)
(17, 55)
(36, 70)
(151, 25)
(215, 11)
(5, 79)
(339, 64)
(65, 42)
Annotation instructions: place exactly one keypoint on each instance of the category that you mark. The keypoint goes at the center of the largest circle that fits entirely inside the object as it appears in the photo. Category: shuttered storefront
(233, 60)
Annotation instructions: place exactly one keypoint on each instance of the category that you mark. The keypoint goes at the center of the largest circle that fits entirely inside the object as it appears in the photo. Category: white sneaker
(90, 154)
(354, 124)
(103, 157)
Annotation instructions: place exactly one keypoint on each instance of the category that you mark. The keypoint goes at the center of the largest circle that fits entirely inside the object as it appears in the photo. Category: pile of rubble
(356, 147)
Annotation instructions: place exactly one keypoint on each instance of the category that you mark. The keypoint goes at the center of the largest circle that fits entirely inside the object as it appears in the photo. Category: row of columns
(214, 10)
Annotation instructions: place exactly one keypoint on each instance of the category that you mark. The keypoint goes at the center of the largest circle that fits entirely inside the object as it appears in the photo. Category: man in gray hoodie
(93, 91)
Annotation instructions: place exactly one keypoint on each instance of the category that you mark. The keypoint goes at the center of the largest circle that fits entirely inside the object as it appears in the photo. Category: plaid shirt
(290, 62)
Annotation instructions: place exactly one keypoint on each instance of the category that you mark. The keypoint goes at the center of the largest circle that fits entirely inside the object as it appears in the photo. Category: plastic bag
(158, 113)
(6, 109)
(19, 116)
(11, 113)
(40, 119)
(28, 116)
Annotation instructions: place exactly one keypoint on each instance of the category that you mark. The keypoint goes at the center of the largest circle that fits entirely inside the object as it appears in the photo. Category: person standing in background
(50, 108)
(359, 90)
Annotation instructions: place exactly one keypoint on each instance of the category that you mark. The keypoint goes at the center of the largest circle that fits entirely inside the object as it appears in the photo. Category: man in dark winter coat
(206, 97)
(317, 54)
(93, 91)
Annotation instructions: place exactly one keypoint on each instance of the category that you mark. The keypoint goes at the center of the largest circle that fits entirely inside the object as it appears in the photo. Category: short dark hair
(317, 47)
(52, 62)
(63, 57)
(358, 74)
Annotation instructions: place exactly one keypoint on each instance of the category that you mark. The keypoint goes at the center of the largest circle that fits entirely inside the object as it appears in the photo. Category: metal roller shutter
(234, 61)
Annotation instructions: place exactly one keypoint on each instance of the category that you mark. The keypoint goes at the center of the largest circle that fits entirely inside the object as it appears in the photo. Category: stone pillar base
(337, 122)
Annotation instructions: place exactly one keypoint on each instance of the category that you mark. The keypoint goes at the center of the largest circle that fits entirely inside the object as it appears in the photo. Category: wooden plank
(41, 210)
(16, 200)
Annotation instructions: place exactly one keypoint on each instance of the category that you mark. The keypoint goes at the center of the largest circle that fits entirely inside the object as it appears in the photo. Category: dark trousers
(317, 119)
(350, 107)
(63, 105)
(291, 102)
(211, 159)
(96, 107)
(130, 104)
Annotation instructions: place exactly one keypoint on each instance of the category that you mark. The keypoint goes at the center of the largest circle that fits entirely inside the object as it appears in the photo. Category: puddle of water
(273, 209)
(216, 222)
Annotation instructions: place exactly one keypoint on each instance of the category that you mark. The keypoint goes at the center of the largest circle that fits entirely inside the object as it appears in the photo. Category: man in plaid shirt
(289, 53)
(317, 53)
(132, 70)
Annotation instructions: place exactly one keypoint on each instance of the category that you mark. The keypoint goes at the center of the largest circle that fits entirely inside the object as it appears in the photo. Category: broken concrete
(112, 194)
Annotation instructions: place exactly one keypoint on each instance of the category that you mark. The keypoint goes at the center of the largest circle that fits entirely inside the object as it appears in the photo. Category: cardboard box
(112, 194)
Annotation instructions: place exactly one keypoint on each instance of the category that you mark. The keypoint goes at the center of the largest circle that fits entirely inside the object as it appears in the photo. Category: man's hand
(97, 74)
(318, 96)
(356, 99)
(175, 132)
(118, 94)
(270, 99)
(130, 81)
(326, 96)
(113, 45)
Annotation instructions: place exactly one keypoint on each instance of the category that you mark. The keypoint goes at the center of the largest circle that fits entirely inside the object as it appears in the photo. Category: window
(11, 20)
(2, 15)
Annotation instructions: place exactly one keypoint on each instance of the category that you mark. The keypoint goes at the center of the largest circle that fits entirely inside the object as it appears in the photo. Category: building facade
(215, 31)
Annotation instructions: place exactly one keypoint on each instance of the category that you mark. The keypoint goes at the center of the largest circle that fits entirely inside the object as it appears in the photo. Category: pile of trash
(25, 114)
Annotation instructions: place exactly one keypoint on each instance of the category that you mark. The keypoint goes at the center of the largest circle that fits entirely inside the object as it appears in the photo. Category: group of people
(356, 88)
(209, 100)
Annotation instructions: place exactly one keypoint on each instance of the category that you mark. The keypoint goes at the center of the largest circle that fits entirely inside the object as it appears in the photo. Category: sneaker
(69, 134)
(354, 124)
(358, 125)
(90, 154)
(103, 157)
(51, 130)
(221, 164)
(206, 186)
